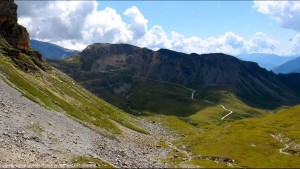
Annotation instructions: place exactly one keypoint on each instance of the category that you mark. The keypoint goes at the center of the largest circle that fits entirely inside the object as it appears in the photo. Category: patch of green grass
(174, 123)
(164, 99)
(85, 161)
(174, 159)
(36, 128)
(207, 164)
(126, 120)
(208, 116)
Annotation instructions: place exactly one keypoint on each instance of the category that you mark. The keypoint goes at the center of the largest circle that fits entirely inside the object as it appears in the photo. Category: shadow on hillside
(145, 97)
(152, 97)
(263, 104)
(218, 95)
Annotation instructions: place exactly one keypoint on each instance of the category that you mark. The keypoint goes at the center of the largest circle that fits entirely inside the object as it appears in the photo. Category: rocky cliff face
(8, 11)
(15, 34)
(15, 40)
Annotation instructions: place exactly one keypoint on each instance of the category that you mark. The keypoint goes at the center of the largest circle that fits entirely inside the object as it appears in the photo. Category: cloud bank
(76, 24)
(227, 43)
(286, 13)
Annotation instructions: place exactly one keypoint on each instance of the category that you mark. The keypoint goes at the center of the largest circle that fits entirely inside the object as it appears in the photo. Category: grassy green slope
(249, 142)
(155, 98)
(56, 91)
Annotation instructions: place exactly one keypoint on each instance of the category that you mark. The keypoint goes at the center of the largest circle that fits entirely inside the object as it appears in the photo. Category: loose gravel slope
(31, 136)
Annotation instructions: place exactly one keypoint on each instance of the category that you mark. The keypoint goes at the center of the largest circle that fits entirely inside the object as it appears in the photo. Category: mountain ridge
(292, 66)
(268, 61)
(51, 51)
(246, 79)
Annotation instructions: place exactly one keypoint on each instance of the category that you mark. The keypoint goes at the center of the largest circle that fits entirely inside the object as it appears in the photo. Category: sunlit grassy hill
(270, 141)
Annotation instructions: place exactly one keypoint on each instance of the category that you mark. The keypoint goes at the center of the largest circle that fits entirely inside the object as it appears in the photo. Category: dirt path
(193, 92)
(230, 112)
(287, 143)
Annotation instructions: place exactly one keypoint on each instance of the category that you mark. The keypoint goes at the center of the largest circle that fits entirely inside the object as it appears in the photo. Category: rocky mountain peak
(15, 34)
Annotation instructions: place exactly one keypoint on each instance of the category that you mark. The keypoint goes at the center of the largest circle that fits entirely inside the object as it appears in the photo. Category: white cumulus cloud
(72, 23)
(286, 13)
(139, 24)
(155, 38)
(228, 43)
(76, 24)
(260, 43)
(55, 20)
(106, 26)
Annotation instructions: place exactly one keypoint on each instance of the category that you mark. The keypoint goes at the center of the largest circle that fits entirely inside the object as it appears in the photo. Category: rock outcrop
(8, 11)
(15, 34)
(15, 40)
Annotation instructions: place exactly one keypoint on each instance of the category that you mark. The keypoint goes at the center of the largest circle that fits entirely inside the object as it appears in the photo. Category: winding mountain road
(284, 140)
(193, 91)
(230, 112)
(175, 84)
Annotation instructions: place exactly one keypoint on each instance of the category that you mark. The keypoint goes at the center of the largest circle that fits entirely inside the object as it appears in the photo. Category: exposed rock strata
(15, 40)
(15, 34)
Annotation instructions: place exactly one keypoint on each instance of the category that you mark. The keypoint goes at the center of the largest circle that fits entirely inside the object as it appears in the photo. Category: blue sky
(201, 18)
(233, 27)
(206, 18)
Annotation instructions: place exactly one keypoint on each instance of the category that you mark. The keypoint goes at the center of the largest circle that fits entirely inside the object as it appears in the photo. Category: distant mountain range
(268, 61)
(246, 79)
(51, 51)
(292, 66)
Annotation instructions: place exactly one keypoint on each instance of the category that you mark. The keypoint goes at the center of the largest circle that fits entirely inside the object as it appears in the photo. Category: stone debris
(53, 139)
